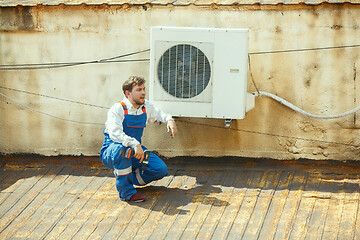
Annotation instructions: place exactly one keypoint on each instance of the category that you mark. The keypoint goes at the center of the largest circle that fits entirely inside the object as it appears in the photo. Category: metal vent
(184, 71)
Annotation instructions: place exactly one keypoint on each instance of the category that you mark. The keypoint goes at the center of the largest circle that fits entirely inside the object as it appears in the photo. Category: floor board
(56, 198)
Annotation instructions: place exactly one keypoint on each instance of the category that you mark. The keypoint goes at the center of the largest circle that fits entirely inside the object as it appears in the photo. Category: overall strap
(126, 110)
(124, 107)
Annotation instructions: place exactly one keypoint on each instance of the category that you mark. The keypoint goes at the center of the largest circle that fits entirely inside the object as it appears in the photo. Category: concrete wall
(323, 82)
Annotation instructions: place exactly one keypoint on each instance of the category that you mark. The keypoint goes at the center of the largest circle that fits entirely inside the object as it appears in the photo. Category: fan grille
(184, 71)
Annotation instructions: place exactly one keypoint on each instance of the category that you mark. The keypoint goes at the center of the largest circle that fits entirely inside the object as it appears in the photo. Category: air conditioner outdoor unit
(200, 72)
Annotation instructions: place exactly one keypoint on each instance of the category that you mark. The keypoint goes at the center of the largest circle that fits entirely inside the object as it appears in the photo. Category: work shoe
(137, 197)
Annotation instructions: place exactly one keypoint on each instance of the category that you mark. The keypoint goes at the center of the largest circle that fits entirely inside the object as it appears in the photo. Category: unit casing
(200, 72)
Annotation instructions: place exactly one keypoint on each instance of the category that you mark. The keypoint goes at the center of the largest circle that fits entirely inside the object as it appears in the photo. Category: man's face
(137, 95)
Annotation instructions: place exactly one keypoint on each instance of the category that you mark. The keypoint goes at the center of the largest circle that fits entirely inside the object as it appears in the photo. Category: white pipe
(295, 108)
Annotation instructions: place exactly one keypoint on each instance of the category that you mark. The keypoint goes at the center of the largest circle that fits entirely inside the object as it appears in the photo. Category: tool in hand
(129, 153)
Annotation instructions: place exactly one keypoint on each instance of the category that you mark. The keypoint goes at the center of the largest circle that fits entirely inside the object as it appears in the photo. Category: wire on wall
(56, 98)
(295, 108)
(178, 120)
(273, 134)
(113, 60)
(305, 49)
(47, 114)
(292, 106)
(199, 124)
(33, 66)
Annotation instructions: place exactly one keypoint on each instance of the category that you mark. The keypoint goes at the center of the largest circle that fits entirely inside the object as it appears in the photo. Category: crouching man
(124, 128)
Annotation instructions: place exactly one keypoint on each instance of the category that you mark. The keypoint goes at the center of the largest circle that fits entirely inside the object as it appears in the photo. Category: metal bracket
(228, 123)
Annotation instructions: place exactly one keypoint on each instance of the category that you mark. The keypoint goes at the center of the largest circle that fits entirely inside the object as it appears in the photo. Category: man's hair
(131, 82)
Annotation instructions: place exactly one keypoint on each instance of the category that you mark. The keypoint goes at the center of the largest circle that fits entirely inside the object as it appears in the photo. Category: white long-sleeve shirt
(115, 118)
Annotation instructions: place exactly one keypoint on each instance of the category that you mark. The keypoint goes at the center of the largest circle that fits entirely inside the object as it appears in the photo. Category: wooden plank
(322, 202)
(291, 205)
(129, 210)
(11, 179)
(77, 180)
(10, 175)
(247, 205)
(357, 222)
(32, 215)
(145, 220)
(179, 199)
(305, 209)
(78, 216)
(43, 217)
(17, 191)
(262, 204)
(106, 220)
(333, 216)
(79, 196)
(220, 202)
(350, 207)
(34, 185)
(241, 183)
(116, 206)
(272, 216)
(204, 206)
(103, 200)
(196, 195)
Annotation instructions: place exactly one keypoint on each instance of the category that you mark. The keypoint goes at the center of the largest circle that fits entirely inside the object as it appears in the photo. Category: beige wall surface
(319, 81)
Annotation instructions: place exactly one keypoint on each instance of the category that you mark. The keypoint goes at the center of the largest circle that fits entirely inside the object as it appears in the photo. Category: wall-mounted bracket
(228, 123)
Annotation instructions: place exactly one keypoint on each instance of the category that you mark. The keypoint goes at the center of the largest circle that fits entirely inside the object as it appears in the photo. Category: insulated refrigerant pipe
(295, 108)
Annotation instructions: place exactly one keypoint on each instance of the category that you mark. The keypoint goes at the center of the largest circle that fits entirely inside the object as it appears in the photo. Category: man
(124, 127)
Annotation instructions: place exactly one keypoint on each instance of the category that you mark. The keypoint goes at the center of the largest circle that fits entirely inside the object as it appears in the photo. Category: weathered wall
(324, 82)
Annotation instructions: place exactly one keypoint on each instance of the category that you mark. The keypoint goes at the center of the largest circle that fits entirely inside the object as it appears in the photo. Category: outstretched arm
(171, 127)
(157, 115)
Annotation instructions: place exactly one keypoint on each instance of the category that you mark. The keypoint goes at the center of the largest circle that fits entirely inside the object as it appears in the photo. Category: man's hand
(171, 126)
(139, 153)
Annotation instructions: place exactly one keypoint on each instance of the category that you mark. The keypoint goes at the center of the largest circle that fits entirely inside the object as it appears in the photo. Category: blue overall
(128, 171)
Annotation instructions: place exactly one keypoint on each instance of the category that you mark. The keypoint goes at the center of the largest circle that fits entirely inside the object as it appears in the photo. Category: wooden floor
(224, 198)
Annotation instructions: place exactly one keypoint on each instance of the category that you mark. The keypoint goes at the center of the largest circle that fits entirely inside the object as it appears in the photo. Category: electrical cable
(292, 106)
(126, 55)
(130, 60)
(102, 60)
(305, 49)
(46, 96)
(44, 66)
(109, 60)
(32, 66)
(68, 120)
(251, 75)
(178, 120)
(297, 109)
(273, 135)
